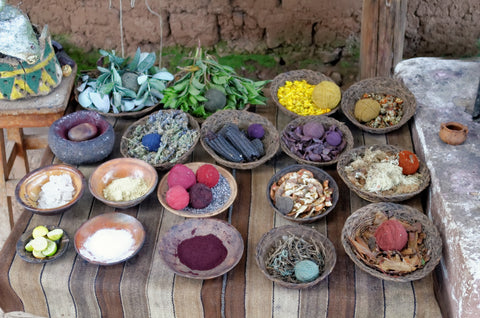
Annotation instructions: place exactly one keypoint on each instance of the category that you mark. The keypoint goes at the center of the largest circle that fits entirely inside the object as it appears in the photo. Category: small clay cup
(453, 133)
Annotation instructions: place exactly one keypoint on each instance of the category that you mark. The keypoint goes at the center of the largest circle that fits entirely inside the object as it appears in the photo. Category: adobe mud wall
(434, 28)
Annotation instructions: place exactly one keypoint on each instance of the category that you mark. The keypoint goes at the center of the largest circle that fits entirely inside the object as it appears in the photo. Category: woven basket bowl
(268, 240)
(200, 120)
(378, 85)
(311, 77)
(364, 217)
(242, 119)
(320, 175)
(347, 157)
(192, 124)
(327, 123)
(125, 115)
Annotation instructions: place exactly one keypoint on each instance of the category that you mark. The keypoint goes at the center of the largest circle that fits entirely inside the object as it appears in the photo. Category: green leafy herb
(188, 91)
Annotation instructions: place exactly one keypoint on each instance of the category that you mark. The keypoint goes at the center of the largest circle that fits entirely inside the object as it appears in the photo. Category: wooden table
(39, 111)
(145, 287)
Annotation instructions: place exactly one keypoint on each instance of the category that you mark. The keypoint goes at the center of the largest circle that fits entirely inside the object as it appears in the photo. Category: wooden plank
(369, 39)
(235, 285)
(385, 38)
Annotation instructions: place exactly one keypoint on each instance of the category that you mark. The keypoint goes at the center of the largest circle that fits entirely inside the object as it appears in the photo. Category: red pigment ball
(202, 252)
(177, 197)
(208, 175)
(200, 196)
(181, 175)
(391, 236)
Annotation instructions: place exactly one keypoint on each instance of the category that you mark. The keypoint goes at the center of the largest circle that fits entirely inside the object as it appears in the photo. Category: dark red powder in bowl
(202, 252)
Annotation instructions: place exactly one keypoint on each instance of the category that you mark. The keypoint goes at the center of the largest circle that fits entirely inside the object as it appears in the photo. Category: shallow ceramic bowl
(311, 77)
(327, 122)
(242, 119)
(276, 235)
(365, 216)
(62, 246)
(80, 152)
(229, 235)
(163, 187)
(28, 189)
(320, 175)
(115, 221)
(121, 168)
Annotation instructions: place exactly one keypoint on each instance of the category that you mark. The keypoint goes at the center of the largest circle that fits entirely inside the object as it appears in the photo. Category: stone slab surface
(445, 91)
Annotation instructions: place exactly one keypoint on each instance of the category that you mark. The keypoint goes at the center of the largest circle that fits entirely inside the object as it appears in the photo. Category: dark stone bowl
(81, 152)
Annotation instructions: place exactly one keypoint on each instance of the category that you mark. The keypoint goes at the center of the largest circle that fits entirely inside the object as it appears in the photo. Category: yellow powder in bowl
(125, 189)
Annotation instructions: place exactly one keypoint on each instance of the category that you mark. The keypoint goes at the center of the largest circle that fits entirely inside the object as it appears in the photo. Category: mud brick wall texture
(434, 28)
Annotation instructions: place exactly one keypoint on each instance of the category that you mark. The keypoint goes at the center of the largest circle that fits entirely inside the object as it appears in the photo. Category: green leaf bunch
(204, 73)
(110, 92)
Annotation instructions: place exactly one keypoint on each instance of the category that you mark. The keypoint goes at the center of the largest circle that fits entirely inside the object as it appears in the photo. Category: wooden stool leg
(6, 215)
(16, 135)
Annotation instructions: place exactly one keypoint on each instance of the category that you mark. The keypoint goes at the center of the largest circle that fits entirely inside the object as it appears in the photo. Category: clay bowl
(453, 133)
(205, 212)
(311, 77)
(115, 254)
(242, 119)
(118, 168)
(378, 85)
(80, 152)
(225, 232)
(275, 236)
(365, 216)
(27, 191)
(131, 140)
(327, 123)
(62, 246)
(320, 175)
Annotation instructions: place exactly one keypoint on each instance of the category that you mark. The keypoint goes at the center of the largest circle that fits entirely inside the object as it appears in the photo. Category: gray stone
(81, 152)
(445, 91)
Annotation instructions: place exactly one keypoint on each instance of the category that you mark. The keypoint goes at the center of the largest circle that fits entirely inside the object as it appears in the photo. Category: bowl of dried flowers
(305, 93)
(197, 190)
(302, 193)
(383, 173)
(109, 238)
(51, 189)
(295, 256)
(201, 248)
(378, 105)
(162, 139)
(316, 140)
(123, 182)
(392, 241)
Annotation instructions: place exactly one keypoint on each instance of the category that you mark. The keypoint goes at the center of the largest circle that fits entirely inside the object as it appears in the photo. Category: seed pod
(222, 147)
(233, 134)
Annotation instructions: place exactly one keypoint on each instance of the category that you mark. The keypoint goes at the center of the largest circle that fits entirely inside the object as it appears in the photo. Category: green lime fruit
(39, 243)
(38, 254)
(29, 247)
(55, 234)
(51, 249)
(39, 231)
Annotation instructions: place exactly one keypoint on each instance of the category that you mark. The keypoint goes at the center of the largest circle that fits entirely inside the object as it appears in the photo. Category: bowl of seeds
(295, 256)
(197, 190)
(378, 105)
(161, 139)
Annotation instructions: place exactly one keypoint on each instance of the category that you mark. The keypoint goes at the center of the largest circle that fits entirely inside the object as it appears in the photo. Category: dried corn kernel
(296, 96)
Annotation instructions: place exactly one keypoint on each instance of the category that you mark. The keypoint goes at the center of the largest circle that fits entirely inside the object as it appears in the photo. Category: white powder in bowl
(56, 192)
(109, 245)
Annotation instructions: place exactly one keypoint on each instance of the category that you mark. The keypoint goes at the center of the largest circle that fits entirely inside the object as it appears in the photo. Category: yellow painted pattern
(34, 68)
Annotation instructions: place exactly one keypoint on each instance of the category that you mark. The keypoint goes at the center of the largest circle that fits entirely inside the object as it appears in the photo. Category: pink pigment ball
(181, 175)
(177, 197)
